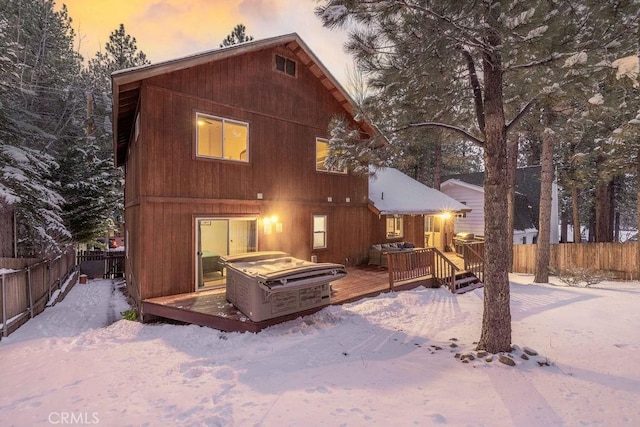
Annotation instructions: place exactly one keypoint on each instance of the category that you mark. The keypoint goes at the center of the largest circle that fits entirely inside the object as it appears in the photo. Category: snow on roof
(393, 192)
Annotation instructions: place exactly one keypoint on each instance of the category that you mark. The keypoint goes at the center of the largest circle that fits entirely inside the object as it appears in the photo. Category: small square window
(286, 65)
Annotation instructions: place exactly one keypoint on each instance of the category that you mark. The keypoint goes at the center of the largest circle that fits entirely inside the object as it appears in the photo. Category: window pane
(394, 227)
(319, 231)
(319, 240)
(290, 67)
(209, 139)
(280, 61)
(322, 150)
(235, 141)
(221, 138)
(319, 223)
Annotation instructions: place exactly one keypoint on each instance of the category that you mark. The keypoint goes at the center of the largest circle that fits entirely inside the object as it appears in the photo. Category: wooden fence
(621, 259)
(109, 264)
(27, 290)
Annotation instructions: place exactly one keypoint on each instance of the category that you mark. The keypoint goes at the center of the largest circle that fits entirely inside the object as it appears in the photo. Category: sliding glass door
(216, 237)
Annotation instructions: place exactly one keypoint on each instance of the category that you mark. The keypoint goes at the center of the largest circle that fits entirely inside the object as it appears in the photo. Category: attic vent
(286, 65)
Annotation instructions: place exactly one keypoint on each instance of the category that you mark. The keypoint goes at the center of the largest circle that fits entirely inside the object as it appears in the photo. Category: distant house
(468, 189)
(395, 195)
(224, 152)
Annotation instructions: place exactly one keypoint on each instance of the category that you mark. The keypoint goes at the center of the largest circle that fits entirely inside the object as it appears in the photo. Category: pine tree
(491, 41)
(237, 36)
(89, 181)
(121, 51)
(40, 72)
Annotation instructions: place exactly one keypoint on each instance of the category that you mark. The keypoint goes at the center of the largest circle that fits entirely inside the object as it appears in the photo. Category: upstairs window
(220, 138)
(394, 227)
(286, 65)
(322, 151)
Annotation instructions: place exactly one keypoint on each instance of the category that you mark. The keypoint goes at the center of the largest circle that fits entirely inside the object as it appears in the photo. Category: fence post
(30, 292)
(48, 269)
(4, 308)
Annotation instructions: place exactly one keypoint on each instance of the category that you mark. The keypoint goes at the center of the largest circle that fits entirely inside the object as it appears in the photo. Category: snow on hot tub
(264, 285)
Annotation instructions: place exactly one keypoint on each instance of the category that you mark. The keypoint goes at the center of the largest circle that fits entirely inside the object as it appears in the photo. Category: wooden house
(468, 189)
(223, 153)
(408, 210)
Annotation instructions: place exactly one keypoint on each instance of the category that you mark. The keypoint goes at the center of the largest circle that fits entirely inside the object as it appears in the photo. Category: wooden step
(466, 280)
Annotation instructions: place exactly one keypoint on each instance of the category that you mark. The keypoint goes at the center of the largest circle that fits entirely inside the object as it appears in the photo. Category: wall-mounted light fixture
(445, 215)
(269, 222)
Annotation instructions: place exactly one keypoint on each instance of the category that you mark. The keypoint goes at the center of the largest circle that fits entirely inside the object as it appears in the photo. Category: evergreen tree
(90, 183)
(237, 36)
(485, 44)
(39, 78)
(121, 51)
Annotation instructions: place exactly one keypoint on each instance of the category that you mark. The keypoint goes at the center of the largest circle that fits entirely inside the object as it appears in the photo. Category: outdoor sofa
(378, 252)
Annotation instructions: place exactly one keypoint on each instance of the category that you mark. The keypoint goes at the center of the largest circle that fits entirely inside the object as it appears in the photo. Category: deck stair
(466, 281)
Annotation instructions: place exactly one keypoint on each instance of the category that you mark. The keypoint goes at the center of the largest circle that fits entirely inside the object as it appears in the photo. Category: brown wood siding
(167, 252)
(167, 187)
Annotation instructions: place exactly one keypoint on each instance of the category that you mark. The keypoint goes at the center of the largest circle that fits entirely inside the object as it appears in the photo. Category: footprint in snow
(224, 374)
(320, 389)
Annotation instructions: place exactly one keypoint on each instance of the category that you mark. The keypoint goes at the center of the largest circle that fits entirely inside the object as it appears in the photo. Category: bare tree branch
(520, 115)
(455, 129)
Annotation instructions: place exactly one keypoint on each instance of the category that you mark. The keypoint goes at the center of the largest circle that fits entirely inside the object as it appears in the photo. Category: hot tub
(264, 285)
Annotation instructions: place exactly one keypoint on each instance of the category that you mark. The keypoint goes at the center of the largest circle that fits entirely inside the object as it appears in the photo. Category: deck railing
(409, 266)
(473, 255)
(445, 270)
(405, 266)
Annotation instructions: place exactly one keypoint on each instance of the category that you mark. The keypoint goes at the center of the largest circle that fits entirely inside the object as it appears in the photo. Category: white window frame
(323, 232)
(397, 227)
(323, 168)
(223, 120)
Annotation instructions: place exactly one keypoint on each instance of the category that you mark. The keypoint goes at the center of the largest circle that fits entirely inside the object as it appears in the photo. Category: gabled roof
(393, 192)
(126, 83)
(452, 181)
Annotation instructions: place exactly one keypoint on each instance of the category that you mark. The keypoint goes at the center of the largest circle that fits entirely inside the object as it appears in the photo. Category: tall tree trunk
(437, 161)
(496, 321)
(603, 227)
(6, 230)
(543, 248)
(575, 213)
(512, 158)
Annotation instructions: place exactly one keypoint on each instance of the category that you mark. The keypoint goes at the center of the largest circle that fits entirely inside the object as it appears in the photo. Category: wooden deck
(210, 308)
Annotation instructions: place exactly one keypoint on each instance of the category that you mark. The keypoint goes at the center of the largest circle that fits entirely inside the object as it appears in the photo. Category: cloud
(167, 29)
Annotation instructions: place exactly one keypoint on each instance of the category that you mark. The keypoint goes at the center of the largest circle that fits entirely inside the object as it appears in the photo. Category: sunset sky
(167, 29)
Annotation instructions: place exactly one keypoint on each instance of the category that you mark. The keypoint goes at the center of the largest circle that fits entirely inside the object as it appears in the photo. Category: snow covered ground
(385, 361)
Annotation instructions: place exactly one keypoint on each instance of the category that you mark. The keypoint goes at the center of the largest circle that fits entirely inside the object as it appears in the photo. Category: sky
(383, 361)
(169, 29)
